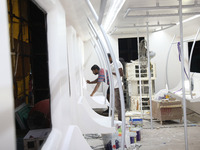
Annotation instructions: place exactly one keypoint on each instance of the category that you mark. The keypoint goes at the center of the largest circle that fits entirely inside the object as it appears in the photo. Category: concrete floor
(168, 136)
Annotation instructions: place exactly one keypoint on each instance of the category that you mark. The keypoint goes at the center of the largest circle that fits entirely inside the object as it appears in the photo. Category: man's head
(109, 57)
(95, 69)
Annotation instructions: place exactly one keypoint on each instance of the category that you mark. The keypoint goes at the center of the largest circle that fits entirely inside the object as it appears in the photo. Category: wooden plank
(171, 106)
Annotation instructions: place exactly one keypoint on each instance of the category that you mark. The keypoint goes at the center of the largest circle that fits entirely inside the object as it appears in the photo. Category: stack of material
(167, 110)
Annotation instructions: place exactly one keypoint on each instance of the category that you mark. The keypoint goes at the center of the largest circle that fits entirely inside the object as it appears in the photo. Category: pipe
(92, 10)
(102, 9)
(183, 76)
(149, 72)
(138, 45)
(144, 26)
(161, 7)
(119, 84)
(117, 74)
(112, 94)
(166, 68)
(161, 15)
(190, 59)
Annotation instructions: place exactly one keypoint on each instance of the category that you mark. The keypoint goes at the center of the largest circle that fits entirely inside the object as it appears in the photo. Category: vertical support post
(138, 45)
(120, 86)
(149, 72)
(183, 75)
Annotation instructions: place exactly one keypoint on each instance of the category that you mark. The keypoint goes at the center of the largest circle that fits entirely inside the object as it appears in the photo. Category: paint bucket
(138, 131)
(133, 137)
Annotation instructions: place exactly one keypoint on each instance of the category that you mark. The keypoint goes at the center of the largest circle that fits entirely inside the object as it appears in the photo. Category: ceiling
(133, 16)
(158, 14)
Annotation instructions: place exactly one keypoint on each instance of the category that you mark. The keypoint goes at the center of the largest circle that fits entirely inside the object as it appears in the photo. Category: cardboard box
(35, 138)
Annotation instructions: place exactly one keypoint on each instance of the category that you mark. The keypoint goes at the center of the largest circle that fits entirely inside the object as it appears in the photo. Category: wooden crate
(35, 138)
(167, 110)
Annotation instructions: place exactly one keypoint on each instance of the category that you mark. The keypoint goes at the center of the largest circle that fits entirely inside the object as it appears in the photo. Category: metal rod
(141, 33)
(166, 68)
(190, 60)
(92, 10)
(117, 74)
(144, 26)
(183, 75)
(113, 33)
(149, 72)
(112, 94)
(161, 15)
(138, 45)
(120, 86)
(162, 7)
(101, 12)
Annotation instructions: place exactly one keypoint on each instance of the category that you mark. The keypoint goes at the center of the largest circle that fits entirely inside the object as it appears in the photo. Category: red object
(39, 116)
(43, 106)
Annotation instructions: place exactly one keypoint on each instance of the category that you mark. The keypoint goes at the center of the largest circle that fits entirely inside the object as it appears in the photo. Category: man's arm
(92, 82)
(96, 88)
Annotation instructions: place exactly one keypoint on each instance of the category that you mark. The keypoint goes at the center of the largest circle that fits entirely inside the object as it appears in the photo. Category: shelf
(133, 73)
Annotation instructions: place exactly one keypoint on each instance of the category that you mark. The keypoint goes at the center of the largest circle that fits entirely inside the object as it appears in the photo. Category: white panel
(7, 125)
(160, 43)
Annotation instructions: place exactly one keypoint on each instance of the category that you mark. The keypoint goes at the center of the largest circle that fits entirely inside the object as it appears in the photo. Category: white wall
(114, 43)
(7, 125)
(159, 42)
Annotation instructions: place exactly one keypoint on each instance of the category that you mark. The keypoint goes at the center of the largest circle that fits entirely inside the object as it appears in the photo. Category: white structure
(68, 36)
(134, 76)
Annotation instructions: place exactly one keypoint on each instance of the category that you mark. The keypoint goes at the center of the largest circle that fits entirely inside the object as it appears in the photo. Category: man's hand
(91, 94)
(88, 81)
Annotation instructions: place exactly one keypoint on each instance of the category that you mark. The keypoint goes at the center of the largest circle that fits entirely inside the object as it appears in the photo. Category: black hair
(109, 56)
(94, 67)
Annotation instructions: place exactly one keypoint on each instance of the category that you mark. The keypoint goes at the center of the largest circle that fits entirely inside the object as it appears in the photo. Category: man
(101, 78)
(116, 86)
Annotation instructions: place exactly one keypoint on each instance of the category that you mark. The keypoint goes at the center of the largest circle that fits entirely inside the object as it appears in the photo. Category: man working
(101, 78)
(116, 86)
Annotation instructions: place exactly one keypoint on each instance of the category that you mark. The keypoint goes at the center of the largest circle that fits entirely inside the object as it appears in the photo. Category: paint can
(138, 131)
(133, 137)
